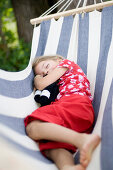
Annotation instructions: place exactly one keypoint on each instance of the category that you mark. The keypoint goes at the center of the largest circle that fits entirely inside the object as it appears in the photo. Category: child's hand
(37, 79)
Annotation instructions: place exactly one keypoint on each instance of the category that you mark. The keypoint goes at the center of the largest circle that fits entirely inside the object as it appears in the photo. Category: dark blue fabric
(17, 89)
(14, 123)
(107, 134)
(45, 25)
(65, 35)
(106, 34)
(77, 158)
(83, 39)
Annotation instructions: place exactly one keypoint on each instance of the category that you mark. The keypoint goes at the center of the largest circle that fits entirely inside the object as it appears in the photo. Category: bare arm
(42, 82)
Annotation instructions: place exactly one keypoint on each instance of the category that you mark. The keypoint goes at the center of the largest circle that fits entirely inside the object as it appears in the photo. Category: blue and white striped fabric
(86, 40)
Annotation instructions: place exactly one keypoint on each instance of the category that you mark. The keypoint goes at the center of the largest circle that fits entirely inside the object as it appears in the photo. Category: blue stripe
(107, 134)
(45, 25)
(17, 89)
(106, 34)
(14, 123)
(34, 154)
(65, 35)
(77, 158)
(83, 42)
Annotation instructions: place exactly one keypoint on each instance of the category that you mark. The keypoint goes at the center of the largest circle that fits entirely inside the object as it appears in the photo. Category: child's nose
(45, 73)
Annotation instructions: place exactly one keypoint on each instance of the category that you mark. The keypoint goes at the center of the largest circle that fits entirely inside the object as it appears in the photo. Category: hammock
(87, 40)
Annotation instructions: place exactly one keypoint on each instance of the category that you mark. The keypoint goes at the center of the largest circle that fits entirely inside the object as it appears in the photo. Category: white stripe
(73, 45)
(95, 161)
(53, 37)
(18, 138)
(17, 107)
(14, 159)
(35, 41)
(14, 76)
(93, 47)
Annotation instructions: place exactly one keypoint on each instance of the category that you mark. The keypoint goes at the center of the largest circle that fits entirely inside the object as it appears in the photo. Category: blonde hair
(37, 60)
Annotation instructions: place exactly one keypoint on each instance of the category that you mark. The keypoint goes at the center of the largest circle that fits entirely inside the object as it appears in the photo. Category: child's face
(45, 67)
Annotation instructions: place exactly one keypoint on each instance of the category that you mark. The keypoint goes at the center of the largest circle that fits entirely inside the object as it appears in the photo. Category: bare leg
(63, 159)
(85, 143)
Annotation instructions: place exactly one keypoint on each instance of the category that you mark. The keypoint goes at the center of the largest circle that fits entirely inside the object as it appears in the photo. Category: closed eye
(45, 75)
(47, 65)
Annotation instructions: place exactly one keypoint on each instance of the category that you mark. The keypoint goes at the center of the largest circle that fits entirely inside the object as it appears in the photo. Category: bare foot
(91, 142)
(73, 167)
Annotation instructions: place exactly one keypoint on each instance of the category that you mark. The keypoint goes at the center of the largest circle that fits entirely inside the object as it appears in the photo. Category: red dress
(72, 108)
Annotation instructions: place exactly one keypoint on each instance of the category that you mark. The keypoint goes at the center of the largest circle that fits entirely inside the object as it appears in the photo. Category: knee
(31, 129)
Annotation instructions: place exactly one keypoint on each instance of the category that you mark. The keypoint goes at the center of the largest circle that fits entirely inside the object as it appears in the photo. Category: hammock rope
(52, 8)
(78, 4)
(65, 6)
(75, 11)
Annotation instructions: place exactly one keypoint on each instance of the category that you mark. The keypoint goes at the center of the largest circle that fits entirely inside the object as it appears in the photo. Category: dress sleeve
(65, 63)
